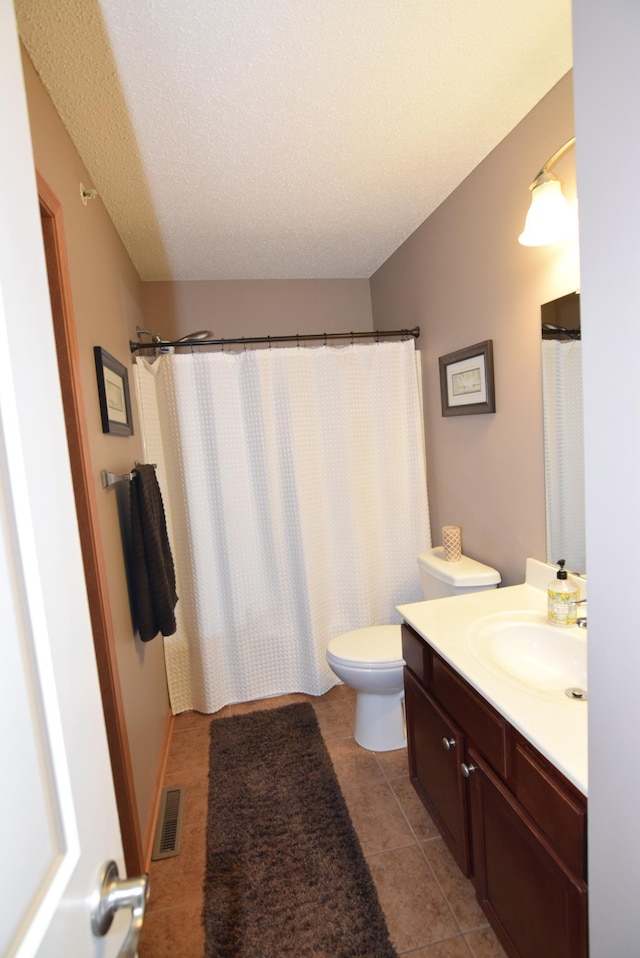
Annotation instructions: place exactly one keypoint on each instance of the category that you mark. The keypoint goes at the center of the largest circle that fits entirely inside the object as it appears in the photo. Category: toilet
(370, 660)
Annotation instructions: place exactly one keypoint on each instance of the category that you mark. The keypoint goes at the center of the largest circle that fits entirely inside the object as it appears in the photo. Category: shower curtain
(564, 451)
(294, 483)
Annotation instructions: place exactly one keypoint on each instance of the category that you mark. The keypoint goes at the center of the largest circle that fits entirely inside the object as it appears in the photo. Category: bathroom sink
(523, 647)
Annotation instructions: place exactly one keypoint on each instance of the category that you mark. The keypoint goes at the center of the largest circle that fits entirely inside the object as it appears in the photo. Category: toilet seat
(372, 647)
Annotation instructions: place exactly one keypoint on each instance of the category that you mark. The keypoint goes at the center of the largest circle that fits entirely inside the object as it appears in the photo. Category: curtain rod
(296, 338)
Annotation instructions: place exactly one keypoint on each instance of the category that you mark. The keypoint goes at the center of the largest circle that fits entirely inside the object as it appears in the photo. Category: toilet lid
(378, 646)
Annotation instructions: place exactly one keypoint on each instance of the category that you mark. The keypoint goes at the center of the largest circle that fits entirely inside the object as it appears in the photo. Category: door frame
(90, 536)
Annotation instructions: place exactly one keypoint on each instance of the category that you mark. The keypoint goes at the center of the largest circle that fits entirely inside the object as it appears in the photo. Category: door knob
(467, 769)
(113, 893)
(448, 743)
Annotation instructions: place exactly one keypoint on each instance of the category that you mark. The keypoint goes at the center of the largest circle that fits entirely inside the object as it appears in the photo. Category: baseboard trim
(152, 822)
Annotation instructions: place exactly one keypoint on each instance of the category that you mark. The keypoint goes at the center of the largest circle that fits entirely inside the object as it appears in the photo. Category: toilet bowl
(369, 660)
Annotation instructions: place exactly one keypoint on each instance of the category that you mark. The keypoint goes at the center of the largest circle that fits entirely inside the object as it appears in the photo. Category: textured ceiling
(257, 139)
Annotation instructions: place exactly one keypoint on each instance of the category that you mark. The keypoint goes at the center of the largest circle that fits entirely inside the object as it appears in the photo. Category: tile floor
(431, 910)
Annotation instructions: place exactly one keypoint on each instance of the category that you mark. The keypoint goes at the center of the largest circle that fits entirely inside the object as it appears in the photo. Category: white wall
(606, 85)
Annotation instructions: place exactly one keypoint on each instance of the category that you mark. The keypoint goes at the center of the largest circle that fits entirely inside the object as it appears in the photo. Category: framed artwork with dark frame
(113, 390)
(466, 380)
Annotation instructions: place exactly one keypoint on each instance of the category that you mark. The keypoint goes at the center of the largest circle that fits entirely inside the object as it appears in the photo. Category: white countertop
(553, 723)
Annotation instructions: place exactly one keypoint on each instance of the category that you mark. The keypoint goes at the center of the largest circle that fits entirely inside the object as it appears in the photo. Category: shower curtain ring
(325, 338)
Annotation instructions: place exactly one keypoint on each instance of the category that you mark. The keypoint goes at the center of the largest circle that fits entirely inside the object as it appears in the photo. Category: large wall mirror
(563, 431)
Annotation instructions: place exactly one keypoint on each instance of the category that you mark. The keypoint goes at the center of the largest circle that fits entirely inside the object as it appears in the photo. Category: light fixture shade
(550, 218)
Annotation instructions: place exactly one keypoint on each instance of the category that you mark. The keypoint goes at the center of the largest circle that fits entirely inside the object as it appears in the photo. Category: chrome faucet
(581, 621)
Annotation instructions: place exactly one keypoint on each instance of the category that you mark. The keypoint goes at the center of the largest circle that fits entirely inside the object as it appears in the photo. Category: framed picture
(113, 390)
(466, 380)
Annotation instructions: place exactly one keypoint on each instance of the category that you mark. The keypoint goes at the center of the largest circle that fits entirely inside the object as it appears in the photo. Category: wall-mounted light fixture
(550, 218)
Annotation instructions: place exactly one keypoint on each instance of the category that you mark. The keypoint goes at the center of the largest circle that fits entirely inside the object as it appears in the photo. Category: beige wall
(464, 278)
(231, 308)
(107, 302)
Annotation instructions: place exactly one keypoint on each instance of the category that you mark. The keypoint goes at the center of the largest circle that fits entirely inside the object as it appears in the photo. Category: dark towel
(152, 571)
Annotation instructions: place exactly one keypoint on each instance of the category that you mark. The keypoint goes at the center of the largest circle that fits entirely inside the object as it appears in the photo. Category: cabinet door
(536, 907)
(435, 747)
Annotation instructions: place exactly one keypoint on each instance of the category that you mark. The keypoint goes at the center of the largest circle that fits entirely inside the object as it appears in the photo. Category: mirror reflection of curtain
(564, 451)
(295, 490)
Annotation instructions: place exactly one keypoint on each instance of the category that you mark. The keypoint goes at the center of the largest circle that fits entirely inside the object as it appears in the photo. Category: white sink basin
(523, 647)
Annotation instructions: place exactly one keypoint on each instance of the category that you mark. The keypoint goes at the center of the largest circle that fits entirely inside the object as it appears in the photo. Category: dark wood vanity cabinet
(436, 751)
(513, 823)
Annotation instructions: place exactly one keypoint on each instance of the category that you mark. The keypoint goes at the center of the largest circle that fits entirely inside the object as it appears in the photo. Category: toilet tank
(440, 578)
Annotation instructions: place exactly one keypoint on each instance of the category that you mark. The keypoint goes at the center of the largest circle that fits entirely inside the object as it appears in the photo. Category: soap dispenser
(562, 596)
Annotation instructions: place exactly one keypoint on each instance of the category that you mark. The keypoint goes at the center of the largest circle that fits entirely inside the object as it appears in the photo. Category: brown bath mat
(285, 873)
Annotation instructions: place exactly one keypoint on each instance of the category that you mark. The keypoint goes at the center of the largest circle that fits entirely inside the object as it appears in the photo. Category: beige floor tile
(351, 696)
(415, 909)
(258, 705)
(419, 818)
(337, 692)
(196, 803)
(353, 765)
(174, 933)
(179, 880)
(189, 748)
(451, 948)
(194, 775)
(335, 717)
(187, 720)
(378, 822)
(394, 764)
(484, 944)
(458, 890)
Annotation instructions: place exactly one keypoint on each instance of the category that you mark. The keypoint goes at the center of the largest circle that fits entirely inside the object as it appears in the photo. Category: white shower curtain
(564, 451)
(295, 490)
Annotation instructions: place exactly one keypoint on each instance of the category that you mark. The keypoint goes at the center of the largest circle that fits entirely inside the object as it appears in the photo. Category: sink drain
(580, 695)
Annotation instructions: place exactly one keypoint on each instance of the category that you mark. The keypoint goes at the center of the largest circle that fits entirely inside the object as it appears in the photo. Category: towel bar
(110, 478)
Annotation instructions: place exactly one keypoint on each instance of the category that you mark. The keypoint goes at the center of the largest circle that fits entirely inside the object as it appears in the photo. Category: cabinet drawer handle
(467, 769)
(448, 743)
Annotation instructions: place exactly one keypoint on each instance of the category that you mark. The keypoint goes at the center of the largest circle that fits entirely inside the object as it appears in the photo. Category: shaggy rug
(285, 874)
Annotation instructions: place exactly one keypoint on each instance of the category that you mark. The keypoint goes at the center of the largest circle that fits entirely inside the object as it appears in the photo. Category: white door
(57, 801)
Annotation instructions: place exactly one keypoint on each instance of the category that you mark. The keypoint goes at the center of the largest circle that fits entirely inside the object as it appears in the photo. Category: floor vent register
(169, 828)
